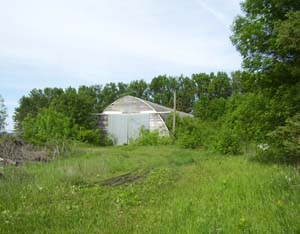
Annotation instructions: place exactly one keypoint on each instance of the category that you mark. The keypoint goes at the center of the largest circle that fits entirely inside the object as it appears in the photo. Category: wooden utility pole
(174, 114)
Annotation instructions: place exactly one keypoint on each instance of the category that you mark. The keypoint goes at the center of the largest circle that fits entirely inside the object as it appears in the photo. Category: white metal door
(122, 127)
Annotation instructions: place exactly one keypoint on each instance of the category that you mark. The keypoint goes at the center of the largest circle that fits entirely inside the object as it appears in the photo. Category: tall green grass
(186, 191)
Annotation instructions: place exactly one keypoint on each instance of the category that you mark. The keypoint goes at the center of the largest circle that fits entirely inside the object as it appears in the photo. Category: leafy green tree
(212, 92)
(139, 88)
(202, 82)
(162, 89)
(242, 82)
(201, 109)
(209, 110)
(47, 126)
(267, 36)
(266, 93)
(36, 100)
(288, 39)
(109, 93)
(185, 94)
(219, 86)
(250, 116)
(211, 85)
(122, 89)
(283, 143)
(79, 105)
(3, 114)
(288, 43)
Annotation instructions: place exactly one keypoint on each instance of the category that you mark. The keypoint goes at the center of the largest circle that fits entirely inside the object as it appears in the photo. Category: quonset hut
(123, 119)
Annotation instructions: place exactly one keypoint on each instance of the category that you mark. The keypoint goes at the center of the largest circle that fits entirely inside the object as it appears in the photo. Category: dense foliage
(47, 126)
(146, 137)
(267, 36)
(283, 144)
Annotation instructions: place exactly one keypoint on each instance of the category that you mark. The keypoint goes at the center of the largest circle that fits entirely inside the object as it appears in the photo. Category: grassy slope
(185, 192)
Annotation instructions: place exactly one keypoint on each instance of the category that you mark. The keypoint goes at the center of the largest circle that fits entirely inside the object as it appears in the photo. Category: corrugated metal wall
(123, 127)
(157, 124)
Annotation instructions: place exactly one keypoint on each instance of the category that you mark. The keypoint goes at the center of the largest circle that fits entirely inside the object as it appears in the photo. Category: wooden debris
(10, 162)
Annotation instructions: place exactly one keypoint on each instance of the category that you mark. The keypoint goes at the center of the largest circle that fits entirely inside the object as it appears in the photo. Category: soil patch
(127, 178)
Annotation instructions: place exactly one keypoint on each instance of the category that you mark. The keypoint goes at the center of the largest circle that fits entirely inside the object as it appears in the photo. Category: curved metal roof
(129, 104)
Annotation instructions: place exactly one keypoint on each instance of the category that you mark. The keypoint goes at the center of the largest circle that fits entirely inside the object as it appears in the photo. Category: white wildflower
(263, 147)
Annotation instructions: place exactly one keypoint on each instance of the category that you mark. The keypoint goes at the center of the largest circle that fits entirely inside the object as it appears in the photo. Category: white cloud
(222, 18)
(75, 42)
(68, 37)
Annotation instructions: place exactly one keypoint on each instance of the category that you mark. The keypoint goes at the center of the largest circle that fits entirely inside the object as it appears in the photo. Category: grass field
(176, 191)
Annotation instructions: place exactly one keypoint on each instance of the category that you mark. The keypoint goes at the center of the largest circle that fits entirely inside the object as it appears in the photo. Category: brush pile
(14, 151)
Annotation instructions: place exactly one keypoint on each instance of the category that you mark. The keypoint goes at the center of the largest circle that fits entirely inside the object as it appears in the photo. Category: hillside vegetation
(182, 191)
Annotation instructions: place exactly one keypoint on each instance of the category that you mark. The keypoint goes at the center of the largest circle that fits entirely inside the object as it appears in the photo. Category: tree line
(255, 108)
(80, 104)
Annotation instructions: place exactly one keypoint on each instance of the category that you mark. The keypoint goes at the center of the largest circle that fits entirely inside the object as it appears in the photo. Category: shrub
(249, 116)
(147, 137)
(209, 110)
(253, 115)
(49, 125)
(193, 132)
(49, 129)
(228, 142)
(190, 133)
(283, 143)
(95, 137)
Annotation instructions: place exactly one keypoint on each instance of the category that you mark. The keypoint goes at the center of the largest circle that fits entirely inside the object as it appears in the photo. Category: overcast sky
(61, 43)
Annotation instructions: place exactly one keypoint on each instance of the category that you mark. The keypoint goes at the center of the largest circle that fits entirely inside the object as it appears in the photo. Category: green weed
(185, 191)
